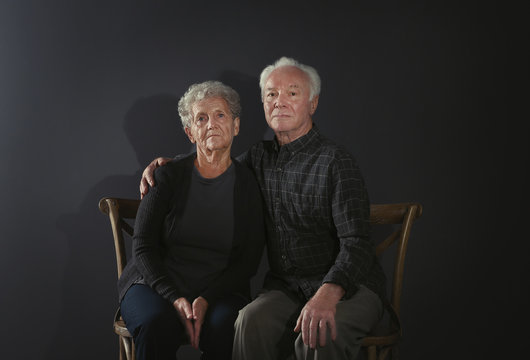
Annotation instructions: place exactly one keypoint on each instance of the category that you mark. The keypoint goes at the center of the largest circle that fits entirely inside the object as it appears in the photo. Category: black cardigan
(164, 204)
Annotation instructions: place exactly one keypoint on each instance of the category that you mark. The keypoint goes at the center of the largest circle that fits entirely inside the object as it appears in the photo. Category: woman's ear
(188, 132)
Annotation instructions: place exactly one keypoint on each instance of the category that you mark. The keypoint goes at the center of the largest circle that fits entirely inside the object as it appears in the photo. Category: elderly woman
(198, 238)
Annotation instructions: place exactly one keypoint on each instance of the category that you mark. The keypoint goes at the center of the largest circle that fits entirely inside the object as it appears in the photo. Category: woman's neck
(211, 165)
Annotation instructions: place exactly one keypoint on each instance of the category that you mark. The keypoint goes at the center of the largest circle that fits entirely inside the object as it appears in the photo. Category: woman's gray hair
(314, 79)
(205, 90)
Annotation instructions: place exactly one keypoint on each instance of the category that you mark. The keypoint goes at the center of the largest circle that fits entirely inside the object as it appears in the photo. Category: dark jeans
(158, 332)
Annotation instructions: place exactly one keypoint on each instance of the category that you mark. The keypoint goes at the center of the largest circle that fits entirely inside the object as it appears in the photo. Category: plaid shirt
(318, 216)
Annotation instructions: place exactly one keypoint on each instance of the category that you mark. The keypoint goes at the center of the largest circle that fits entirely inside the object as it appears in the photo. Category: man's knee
(250, 316)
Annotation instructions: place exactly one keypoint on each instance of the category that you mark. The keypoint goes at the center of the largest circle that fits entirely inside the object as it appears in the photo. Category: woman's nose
(211, 122)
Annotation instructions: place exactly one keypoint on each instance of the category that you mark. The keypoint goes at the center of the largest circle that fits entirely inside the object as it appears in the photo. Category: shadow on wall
(253, 125)
(89, 296)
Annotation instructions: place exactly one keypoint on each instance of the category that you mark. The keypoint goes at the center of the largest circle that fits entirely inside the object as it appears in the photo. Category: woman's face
(212, 127)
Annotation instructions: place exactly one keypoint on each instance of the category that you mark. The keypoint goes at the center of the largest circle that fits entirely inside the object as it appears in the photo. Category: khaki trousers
(264, 328)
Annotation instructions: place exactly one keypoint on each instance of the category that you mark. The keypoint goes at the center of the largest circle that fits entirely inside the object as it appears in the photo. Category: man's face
(286, 102)
(212, 127)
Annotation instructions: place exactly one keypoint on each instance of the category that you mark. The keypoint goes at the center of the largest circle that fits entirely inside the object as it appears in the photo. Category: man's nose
(280, 100)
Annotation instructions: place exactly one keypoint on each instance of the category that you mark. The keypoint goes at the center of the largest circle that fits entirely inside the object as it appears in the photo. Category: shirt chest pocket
(305, 198)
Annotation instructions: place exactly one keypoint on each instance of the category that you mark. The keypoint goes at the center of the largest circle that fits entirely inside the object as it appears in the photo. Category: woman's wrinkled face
(212, 127)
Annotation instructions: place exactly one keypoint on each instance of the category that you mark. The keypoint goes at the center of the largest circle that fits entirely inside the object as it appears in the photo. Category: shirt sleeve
(244, 159)
(179, 157)
(351, 212)
(148, 235)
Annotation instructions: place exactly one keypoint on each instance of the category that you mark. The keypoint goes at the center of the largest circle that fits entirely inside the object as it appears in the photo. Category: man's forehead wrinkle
(289, 86)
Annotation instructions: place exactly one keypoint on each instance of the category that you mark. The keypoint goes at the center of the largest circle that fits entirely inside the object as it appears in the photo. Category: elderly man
(323, 291)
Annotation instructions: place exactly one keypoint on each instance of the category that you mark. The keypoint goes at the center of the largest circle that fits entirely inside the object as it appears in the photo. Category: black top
(204, 236)
(156, 234)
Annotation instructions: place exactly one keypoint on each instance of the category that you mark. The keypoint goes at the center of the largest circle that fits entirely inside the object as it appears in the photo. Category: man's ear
(190, 135)
(236, 126)
(313, 105)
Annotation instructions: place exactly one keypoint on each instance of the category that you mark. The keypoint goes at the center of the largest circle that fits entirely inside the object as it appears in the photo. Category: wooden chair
(377, 345)
(119, 211)
(384, 340)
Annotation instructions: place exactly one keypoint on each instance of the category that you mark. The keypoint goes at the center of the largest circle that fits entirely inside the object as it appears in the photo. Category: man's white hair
(314, 79)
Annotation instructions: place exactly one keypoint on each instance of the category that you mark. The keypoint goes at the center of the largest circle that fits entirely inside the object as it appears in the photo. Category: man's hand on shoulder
(318, 314)
(148, 178)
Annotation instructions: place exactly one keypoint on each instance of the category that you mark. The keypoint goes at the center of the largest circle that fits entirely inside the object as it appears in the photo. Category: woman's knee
(218, 331)
(224, 314)
(145, 311)
(159, 320)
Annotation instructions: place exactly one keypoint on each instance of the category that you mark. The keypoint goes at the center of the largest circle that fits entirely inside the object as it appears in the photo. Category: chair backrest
(402, 216)
(119, 210)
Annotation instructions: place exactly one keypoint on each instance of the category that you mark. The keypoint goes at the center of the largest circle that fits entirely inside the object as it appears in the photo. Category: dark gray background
(423, 95)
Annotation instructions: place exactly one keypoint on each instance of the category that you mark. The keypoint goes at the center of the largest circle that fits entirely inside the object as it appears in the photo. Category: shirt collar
(301, 142)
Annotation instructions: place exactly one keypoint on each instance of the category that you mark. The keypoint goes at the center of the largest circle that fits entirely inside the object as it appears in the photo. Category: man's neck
(285, 137)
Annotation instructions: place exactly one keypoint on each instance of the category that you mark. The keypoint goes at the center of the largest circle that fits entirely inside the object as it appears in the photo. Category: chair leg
(123, 356)
(126, 349)
(383, 353)
(371, 352)
(395, 353)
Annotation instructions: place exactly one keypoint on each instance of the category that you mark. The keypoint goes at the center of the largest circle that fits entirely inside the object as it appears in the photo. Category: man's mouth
(280, 116)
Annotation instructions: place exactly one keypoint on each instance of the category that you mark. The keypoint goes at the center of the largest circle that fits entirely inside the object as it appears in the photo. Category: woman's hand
(192, 317)
(199, 307)
(184, 310)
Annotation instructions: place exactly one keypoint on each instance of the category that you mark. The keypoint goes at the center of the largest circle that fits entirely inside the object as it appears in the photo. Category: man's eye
(221, 115)
(293, 93)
